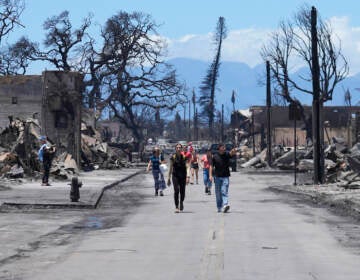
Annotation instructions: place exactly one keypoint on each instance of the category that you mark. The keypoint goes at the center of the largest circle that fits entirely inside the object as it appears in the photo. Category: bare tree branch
(63, 44)
(129, 71)
(293, 41)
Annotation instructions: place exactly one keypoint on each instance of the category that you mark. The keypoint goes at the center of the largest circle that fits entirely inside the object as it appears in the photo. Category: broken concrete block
(16, 171)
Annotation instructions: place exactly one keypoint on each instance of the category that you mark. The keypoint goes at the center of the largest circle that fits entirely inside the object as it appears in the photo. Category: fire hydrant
(74, 191)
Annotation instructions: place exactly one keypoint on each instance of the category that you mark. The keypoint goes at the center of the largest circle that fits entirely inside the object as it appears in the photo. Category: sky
(188, 25)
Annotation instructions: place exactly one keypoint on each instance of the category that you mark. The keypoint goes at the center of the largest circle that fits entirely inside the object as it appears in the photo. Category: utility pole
(253, 130)
(316, 104)
(349, 128)
(194, 116)
(189, 121)
(196, 126)
(222, 123)
(268, 111)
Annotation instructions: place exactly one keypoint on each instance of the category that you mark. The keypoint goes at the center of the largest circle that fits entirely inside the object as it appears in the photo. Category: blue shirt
(156, 161)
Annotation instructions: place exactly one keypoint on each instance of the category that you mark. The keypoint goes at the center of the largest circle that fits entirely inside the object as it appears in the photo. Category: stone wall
(20, 96)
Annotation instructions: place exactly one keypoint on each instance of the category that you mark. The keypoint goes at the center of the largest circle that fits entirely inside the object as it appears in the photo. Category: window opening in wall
(14, 100)
(61, 119)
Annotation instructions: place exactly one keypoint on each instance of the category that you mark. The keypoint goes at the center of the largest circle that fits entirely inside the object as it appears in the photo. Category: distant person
(178, 172)
(128, 152)
(220, 171)
(186, 152)
(154, 163)
(194, 167)
(190, 147)
(205, 163)
(46, 154)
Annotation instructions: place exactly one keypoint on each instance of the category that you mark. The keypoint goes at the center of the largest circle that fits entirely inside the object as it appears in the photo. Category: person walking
(186, 152)
(205, 163)
(46, 154)
(154, 163)
(178, 173)
(220, 171)
(194, 167)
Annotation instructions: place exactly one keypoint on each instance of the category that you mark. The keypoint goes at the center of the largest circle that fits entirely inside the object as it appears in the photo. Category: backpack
(41, 152)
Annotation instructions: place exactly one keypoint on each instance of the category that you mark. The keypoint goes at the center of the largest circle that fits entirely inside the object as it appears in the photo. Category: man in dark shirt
(219, 170)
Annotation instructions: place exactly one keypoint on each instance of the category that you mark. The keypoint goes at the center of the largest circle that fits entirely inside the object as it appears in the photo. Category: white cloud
(244, 45)
(191, 46)
(239, 46)
(350, 41)
(187, 38)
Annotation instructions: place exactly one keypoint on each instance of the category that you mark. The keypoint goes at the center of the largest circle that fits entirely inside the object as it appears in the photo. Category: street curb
(338, 205)
(107, 187)
(70, 205)
(45, 205)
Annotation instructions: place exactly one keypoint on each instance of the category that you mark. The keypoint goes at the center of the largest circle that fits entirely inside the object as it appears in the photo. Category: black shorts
(195, 165)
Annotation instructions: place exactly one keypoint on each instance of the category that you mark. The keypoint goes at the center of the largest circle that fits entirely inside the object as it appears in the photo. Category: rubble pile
(96, 154)
(342, 165)
(19, 147)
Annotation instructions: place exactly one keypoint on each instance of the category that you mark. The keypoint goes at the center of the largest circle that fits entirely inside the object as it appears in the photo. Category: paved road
(135, 235)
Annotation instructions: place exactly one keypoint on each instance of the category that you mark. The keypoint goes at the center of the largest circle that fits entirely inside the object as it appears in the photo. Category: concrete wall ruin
(20, 96)
(54, 98)
(61, 110)
(337, 117)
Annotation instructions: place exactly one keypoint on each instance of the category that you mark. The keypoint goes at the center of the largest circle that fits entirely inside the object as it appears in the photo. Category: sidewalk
(332, 196)
(30, 194)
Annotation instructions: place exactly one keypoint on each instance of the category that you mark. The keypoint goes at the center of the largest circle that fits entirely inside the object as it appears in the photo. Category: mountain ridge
(248, 83)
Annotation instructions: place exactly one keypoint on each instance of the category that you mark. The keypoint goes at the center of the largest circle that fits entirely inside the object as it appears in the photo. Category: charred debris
(342, 157)
(19, 144)
(51, 104)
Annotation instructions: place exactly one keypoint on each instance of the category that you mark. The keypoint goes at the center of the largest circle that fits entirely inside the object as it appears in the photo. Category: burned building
(20, 97)
(53, 98)
(339, 122)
